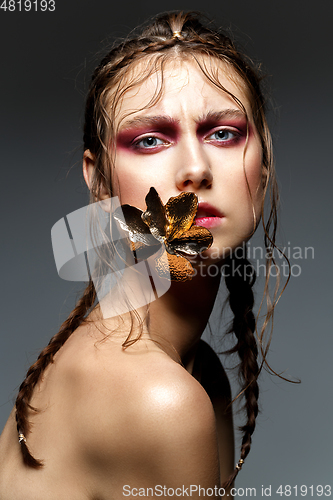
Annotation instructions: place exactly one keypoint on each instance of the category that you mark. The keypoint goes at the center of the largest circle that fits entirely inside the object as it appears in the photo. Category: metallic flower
(170, 226)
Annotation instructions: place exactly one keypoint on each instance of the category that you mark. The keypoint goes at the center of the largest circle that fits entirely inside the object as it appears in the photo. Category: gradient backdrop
(46, 61)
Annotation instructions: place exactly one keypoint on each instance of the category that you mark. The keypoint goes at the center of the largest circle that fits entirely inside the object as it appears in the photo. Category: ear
(88, 170)
(88, 167)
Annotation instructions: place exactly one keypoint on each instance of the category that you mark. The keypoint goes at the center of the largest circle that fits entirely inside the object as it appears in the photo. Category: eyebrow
(168, 121)
(148, 121)
(221, 115)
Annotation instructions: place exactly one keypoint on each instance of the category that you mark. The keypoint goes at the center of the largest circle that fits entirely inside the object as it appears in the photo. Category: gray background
(46, 60)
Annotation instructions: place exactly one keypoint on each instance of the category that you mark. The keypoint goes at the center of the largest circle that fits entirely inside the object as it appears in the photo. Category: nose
(193, 169)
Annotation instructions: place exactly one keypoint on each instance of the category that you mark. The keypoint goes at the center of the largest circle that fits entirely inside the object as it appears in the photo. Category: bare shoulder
(104, 372)
(139, 382)
(140, 410)
(179, 426)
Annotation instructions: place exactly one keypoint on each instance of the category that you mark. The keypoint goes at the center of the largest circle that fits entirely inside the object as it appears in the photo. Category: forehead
(180, 86)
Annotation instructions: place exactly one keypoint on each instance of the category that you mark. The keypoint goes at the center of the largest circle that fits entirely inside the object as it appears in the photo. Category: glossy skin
(113, 417)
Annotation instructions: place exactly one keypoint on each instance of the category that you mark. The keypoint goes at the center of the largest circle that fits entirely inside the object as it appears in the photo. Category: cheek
(132, 183)
(133, 176)
(125, 184)
(130, 192)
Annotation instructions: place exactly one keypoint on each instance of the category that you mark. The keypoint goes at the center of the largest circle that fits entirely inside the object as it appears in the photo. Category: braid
(174, 34)
(44, 359)
(239, 282)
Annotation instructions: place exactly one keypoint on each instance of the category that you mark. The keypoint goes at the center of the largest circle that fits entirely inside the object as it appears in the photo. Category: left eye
(222, 135)
(149, 142)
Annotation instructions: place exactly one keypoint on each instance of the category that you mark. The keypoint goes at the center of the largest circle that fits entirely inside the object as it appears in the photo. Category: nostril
(206, 183)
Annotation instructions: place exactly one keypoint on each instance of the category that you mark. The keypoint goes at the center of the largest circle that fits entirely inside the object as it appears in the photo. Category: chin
(213, 256)
(217, 256)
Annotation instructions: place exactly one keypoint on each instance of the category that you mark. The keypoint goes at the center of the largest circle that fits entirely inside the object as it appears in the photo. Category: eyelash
(232, 140)
(136, 144)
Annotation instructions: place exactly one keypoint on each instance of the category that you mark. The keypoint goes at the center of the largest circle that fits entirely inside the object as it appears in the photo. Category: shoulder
(179, 430)
(177, 397)
(143, 409)
(156, 391)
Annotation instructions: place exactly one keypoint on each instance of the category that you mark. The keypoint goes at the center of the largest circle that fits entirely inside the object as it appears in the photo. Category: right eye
(148, 142)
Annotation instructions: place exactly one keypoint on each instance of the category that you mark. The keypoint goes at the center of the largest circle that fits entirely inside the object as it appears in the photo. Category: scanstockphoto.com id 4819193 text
(281, 491)
(183, 491)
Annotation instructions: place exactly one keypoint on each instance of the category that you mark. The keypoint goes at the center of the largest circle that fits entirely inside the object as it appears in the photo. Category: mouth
(207, 216)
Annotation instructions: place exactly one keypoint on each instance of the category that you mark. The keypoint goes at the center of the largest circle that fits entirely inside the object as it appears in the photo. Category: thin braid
(44, 359)
(240, 278)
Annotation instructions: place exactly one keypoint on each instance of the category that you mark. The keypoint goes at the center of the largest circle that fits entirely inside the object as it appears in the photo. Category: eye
(148, 142)
(223, 135)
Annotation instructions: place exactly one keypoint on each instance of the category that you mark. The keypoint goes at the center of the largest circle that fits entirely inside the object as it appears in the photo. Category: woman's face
(193, 139)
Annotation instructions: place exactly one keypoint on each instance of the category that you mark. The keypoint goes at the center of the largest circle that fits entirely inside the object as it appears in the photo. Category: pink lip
(207, 216)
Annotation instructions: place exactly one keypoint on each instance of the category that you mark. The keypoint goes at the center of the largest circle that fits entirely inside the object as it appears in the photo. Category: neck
(180, 316)
(176, 319)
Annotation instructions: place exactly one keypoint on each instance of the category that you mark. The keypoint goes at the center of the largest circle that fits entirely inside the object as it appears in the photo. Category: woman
(129, 397)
